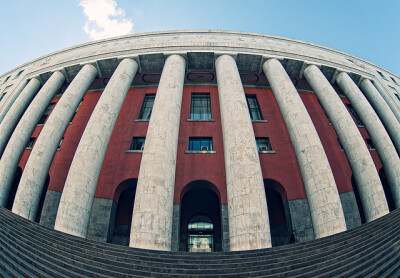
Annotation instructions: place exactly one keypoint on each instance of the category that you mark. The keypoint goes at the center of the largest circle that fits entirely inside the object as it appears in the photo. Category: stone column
(367, 179)
(386, 115)
(35, 173)
(5, 104)
(153, 210)
(78, 194)
(392, 102)
(247, 205)
(21, 135)
(379, 137)
(11, 119)
(322, 194)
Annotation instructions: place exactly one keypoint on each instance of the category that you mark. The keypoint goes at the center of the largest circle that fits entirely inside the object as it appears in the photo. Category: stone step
(14, 266)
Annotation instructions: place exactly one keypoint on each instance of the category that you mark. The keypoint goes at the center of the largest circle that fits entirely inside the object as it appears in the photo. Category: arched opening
(14, 187)
(387, 190)
(41, 201)
(276, 197)
(200, 218)
(125, 196)
(358, 200)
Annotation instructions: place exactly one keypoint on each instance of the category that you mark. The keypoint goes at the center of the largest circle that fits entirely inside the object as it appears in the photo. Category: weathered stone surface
(350, 210)
(153, 210)
(298, 218)
(322, 194)
(102, 219)
(247, 205)
(50, 207)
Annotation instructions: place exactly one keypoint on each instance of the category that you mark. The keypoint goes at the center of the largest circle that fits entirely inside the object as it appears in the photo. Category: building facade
(200, 141)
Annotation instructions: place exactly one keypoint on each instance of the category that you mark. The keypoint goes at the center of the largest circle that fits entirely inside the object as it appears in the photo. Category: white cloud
(104, 19)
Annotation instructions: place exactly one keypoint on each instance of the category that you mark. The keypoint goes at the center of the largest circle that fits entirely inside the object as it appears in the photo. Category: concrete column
(35, 173)
(392, 102)
(322, 194)
(247, 205)
(78, 194)
(153, 210)
(21, 135)
(380, 138)
(367, 179)
(11, 119)
(6, 104)
(386, 115)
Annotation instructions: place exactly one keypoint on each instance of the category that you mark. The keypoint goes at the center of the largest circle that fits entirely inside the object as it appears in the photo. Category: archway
(278, 216)
(14, 187)
(125, 197)
(42, 198)
(387, 190)
(200, 218)
(358, 200)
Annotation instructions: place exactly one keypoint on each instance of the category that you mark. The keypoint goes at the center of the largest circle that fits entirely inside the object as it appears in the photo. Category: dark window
(137, 144)
(200, 144)
(354, 114)
(147, 106)
(254, 109)
(46, 113)
(263, 144)
(394, 80)
(201, 107)
(19, 73)
(2, 96)
(369, 144)
(5, 80)
(397, 96)
(30, 143)
(381, 74)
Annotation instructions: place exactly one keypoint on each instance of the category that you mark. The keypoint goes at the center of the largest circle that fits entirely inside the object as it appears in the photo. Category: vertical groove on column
(5, 105)
(386, 115)
(36, 169)
(380, 138)
(367, 179)
(153, 209)
(322, 194)
(11, 119)
(20, 137)
(78, 194)
(247, 204)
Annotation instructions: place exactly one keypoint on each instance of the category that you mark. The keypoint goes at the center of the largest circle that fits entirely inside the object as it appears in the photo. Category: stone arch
(14, 187)
(200, 198)
(387, 190)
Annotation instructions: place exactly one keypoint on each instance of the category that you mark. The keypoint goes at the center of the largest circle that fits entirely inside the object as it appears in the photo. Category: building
(178, 141)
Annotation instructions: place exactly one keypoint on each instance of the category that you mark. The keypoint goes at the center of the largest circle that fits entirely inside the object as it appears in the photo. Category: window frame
(200, 98)
(136, 140)
(205, 145)
(267, 142)
(257, 109)
(145, 105)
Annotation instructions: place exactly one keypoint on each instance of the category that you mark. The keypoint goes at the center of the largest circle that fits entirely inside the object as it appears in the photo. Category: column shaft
(392, 102)
(247, 204)
(367, 179)
(322, 194)
(11, 119)
(380, 138)
(78, 194)
(153, 209)
(34, 176)
(6, 104)
(386, 115)
(20, 137)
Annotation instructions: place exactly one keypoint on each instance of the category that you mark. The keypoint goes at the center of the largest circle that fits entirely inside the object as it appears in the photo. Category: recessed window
(137, 144)
(2, 96)
(147, 107)
(5, 80)
(19, 73)
(254, 109)
(263, 144)
(397, 96)
(200, 144)
(371, 146)
(394, 80)
(354, 114)
(46, 113)
(30, 144)
(381, 74)
(200, 108)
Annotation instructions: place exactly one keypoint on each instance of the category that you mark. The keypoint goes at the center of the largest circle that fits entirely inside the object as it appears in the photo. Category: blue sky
(369, 29)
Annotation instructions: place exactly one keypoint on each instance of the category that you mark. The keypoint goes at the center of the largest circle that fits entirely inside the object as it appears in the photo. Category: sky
(369, 29)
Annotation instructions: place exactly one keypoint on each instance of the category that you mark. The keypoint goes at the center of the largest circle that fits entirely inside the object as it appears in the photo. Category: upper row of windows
(384, 77)
(8, 77)
(200, 108)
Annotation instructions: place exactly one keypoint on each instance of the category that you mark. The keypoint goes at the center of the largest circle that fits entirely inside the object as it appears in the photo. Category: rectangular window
(397, 96)
(394, 80)
(2, 96)
(263, 144)
(200, 108)
(147, 107)
(137, 144)
(381, 74)
(254, 109)
(19, 73)
(371, 146)
(30, 144)
(46, 113)
(354, 114)
(200, 144)
(5, 80)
